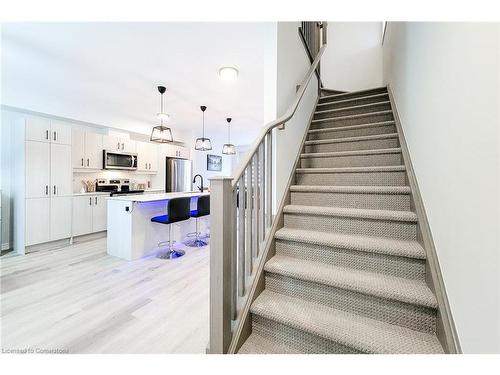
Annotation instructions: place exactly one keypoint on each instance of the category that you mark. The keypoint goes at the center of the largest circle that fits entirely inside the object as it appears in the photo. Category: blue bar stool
(202, 209)
(178, 209)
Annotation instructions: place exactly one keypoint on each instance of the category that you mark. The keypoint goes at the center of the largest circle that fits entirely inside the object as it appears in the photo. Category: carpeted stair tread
(406, 216)
(351, 127)
(352, 139)
(378, 151)
(380, 245)
(258, 344)
(353, 107)
(368, 114)
(351, 189)
(355, 331)
(393, 288)
(381, 168)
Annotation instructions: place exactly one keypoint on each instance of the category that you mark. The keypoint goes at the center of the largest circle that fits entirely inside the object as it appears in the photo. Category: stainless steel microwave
(119, 160)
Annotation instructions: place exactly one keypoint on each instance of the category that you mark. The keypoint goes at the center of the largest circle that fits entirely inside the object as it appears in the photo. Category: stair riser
(398, 266)
(303, 341)
(396, 202)
(369, 119)
(373, 130)
(368, 227)
(418, 318)
(352, 179)
(352, 161)
(352, 111)
(354, 95)
(353, 102)
(371, 144)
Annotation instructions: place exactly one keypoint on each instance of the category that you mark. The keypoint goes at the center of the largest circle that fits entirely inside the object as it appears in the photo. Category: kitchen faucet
(201, 178)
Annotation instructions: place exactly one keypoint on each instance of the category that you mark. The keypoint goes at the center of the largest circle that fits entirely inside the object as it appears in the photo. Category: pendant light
(228, 148)
(203, 144)
(161, 134)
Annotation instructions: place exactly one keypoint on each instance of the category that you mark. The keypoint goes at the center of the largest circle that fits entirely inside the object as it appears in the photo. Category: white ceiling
(107, 73)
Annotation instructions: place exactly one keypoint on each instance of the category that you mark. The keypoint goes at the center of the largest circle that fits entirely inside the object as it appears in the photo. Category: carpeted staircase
(348, 275)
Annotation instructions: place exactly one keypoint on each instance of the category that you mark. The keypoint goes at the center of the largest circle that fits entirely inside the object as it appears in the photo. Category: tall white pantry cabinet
(43, 181)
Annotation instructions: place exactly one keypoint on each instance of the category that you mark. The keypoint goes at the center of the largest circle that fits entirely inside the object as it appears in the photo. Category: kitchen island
(132, 235)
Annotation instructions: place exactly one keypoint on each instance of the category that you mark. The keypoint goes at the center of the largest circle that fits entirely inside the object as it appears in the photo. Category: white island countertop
(156, 197)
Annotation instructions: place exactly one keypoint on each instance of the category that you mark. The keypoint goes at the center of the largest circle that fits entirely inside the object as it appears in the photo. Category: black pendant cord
(203, 127)
(228, 130)
(161, 108)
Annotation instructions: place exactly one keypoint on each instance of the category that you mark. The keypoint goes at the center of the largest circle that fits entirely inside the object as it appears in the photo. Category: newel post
(221, 223)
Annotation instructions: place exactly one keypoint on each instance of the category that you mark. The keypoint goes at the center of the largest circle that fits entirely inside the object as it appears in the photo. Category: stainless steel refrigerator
(178, 175)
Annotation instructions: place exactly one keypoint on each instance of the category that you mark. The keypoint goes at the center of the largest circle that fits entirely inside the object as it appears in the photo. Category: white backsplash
(134, 177)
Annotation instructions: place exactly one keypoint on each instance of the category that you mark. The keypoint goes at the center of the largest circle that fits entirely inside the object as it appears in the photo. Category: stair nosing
(351, 139)
(352, 127)
(355, 283)
(377, 245)
(336, 335)
(348, 100)
(350, 116)
(374, 169)
(333, 154)
(355, 92)
(361, 213)
(353, 107)
(355, 189)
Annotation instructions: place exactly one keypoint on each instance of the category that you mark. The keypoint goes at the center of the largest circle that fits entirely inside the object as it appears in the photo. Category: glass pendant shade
(161, 134)
(228, 148)
(203, 144)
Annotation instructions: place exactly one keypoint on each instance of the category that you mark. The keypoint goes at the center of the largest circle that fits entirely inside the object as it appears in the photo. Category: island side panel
(119, 224)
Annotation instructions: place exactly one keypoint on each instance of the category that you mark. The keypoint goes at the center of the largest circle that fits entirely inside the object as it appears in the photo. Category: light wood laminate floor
(80, 299)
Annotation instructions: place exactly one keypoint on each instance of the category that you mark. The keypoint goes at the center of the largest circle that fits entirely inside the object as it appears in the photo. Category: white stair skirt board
(348, 274)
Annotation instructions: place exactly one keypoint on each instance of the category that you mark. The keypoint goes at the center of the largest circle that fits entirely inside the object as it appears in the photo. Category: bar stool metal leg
(197, 241)
(171, 253)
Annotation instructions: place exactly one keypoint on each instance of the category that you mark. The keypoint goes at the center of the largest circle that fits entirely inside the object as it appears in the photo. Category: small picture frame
(214, 163)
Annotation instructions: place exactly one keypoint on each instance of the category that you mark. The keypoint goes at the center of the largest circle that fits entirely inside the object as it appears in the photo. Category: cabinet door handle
(54, 189)
(96, 200)
(118, 144)
(82, 162)
(90, 201)
(46, 134)
(55, 136)
(46, 189)
(88, 162)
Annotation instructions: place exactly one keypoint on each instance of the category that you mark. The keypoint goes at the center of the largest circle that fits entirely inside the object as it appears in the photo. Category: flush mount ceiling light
(161, 133)
(228, 148)
(203, 144)
(228, 73)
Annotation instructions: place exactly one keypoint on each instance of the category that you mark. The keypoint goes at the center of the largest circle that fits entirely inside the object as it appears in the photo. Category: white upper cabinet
(175, 151)
(37, 173)
(38, 129)
(60, 132)
(87, 150)
(112, 143)
(147, 157)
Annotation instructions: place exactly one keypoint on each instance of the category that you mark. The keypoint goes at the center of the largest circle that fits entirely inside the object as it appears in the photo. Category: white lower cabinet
(99, 214)
(60, 218)
(89, 214)
(37, 221)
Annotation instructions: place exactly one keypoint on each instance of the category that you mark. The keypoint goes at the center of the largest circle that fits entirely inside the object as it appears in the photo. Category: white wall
(446, 82)
(353, 59)
(200, 157)
(292, 65)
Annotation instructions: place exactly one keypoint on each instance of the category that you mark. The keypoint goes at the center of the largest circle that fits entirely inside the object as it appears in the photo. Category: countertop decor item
(161, 133)
(228, 148)
(214, 163)
(203, 144)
